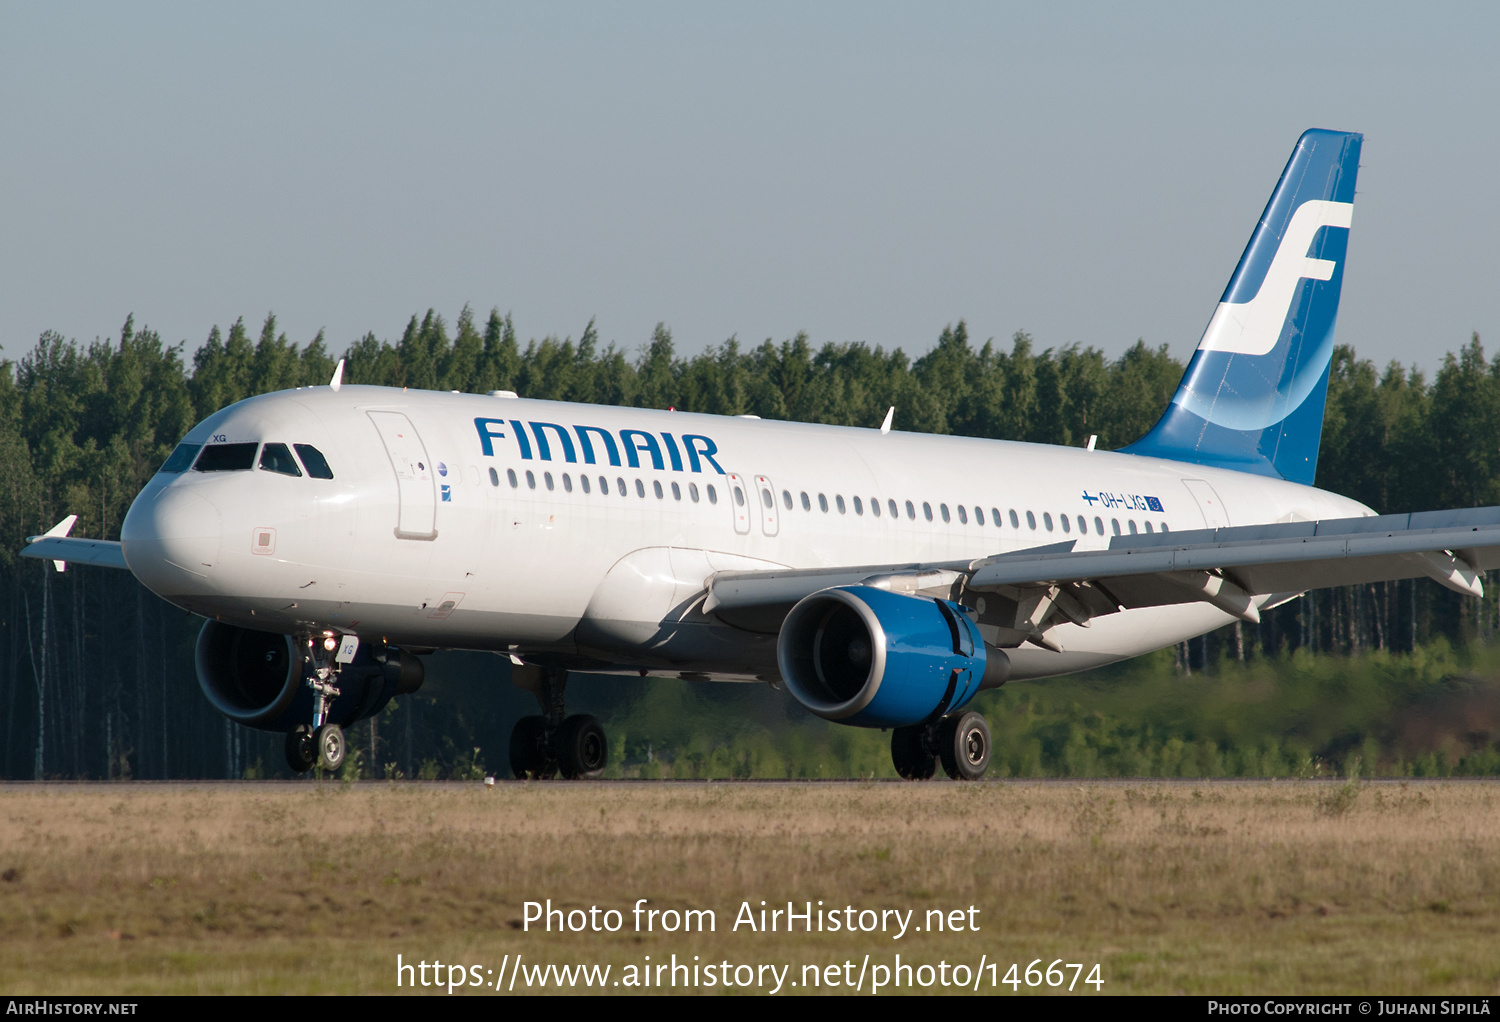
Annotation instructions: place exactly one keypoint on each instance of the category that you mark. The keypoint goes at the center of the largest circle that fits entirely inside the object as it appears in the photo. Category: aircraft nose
(171, 540)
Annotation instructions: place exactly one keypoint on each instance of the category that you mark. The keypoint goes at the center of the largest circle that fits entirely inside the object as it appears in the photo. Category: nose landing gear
(322, 743)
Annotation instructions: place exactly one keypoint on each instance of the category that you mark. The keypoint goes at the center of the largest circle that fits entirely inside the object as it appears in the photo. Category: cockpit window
(181, 459)
(226, 458)
(313, 460)
(276, 458)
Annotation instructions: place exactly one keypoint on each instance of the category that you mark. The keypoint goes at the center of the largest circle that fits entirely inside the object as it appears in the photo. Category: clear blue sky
(862, 171)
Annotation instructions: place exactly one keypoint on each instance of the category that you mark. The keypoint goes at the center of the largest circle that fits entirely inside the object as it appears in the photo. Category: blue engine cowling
(872, 658)
(256, 678)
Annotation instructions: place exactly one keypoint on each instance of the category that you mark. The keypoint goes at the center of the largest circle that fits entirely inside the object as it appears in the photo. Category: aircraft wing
(62, 550)
(1239, 569)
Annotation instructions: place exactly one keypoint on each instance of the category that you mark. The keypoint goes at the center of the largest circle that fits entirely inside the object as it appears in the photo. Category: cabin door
(1214, 515)
(417, 517)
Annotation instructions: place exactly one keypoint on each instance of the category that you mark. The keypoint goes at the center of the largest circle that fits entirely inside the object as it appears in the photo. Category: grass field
(1292, 886)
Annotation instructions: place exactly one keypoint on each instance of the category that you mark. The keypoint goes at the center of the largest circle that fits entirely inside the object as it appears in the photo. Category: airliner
(333, 535)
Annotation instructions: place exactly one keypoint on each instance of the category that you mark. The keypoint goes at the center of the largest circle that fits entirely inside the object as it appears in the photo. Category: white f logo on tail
(1254, 327)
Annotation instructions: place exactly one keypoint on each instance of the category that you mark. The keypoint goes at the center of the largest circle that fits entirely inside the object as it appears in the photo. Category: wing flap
(1267, 563)
(1238, 569)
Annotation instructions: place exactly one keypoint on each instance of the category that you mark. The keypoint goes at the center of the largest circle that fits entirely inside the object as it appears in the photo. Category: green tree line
(96, 674)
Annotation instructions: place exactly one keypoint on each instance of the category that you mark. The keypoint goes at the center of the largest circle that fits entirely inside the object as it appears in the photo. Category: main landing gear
(321, 744)
(961, 742)
(543, 746)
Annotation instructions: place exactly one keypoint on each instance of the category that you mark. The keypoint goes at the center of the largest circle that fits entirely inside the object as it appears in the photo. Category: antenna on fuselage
(338, 376)
(885, 427)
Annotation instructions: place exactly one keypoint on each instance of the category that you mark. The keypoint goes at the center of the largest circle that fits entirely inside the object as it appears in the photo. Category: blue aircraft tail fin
(1252, 397)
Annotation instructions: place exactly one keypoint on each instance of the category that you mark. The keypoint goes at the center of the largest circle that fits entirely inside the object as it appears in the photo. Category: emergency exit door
(739, 502)
(765, 502)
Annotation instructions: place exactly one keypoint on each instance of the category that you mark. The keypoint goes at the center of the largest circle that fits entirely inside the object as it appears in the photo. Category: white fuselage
(422, 539)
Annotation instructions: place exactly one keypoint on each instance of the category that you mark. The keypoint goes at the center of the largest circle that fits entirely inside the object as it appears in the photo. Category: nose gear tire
(328, 740)
(301, 754)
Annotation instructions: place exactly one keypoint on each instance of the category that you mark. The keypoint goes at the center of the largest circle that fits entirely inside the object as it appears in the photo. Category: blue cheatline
(1252, 397)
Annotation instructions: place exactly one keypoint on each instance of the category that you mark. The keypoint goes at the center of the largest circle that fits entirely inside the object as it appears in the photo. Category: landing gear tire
(530, 757)
(328, 740)
(964, 746)
(301, 753)
(582, 749)
(909, 754)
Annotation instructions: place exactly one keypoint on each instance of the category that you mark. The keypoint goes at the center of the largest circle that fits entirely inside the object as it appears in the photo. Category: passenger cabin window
(494, 478)
(276, 458)
(1031, 521)
(181, 459)
(890, 506)
(676, 492)
(313, 461)
(656, 488)
(713, 494)
(1047, 520)
(927, 510)
(944, 509)
(739, 496)
(1015, 523)
(806, 501)
(859, 506)
(766, 498)
(839, 500)
(620, 486)
(547, 476)
(226, 458)
(640, 489)
(567, 482)
(995, 516)
(911, 512)
(584, 480)
(693, 491)
(823, 503)
(875, 506)
(1099, 526)
(1065, 525)
(510, 474)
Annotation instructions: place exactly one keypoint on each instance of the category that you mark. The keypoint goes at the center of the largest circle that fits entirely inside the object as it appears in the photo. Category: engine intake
(255, 678)
(869, 657)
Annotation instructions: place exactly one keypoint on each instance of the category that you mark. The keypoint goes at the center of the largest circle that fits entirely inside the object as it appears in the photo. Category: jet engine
(256, 678)
(873, 658)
